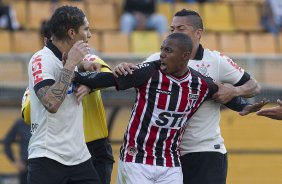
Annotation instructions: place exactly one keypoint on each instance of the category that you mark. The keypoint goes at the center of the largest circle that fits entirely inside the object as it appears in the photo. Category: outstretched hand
(253, 107)
(273, 113)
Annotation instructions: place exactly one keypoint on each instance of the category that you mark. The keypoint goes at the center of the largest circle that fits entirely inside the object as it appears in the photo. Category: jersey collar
(200, 53)
(55, 50)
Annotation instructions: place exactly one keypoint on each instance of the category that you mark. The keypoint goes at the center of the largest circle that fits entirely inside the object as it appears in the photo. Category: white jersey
(58, 136)
(203, 132)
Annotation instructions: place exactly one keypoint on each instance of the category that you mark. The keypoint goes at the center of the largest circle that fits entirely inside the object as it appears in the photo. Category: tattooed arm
(53, 96)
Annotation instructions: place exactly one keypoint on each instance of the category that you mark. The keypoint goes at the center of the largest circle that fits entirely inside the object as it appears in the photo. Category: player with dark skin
(273, 112)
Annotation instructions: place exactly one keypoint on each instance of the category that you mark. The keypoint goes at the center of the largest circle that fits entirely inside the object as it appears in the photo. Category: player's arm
(247, 88)
(128, 68)
(236, 81)
(83, 90)
(52, 93)
(96, 80)
(237, 104)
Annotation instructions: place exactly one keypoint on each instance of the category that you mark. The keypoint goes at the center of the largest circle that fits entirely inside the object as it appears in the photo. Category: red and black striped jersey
(163, 106)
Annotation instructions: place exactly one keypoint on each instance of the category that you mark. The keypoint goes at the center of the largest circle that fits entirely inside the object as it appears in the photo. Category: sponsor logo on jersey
(142, 65)
(132, 151)
(163, 92)
(170, 120)
(33, 127)
(232, 63)
(37, 69)
(193, 96)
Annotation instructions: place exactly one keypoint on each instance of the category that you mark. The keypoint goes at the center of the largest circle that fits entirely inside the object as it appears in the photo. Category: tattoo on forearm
(51, 96)
(62, 86)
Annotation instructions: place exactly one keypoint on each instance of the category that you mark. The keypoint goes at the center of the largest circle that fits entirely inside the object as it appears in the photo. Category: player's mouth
(163, 66)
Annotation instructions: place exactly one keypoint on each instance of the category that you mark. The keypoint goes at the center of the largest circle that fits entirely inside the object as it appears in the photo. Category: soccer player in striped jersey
(204, 156)
(168, 94)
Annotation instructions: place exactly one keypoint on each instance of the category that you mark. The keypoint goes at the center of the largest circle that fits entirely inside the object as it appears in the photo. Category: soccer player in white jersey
(57, 150)
(168, 93)
(204, 156)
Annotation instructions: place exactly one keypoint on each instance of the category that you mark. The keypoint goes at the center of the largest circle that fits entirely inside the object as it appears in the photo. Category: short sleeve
(139, 77)
(229, 71)
(42, 68)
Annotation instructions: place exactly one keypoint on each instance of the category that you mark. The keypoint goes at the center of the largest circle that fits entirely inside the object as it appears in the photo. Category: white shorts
(134, 173)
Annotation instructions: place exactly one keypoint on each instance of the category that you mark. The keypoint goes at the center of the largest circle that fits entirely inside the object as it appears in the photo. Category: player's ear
(186, 55)
(71, 33)
(199, 33)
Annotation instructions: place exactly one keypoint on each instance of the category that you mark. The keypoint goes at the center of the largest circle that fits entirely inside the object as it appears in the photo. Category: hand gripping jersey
(164, 103)
(203, 131)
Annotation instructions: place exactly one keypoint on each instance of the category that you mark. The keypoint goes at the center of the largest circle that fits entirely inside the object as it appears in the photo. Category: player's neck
(181, 72)
(194, 50)
(63, 46)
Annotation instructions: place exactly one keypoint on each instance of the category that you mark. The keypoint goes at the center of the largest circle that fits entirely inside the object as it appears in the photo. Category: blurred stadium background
(231, 26)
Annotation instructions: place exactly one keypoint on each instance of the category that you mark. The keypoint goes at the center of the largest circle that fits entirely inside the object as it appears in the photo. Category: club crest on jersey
(203, 69)
(132, 151)
(192, 99)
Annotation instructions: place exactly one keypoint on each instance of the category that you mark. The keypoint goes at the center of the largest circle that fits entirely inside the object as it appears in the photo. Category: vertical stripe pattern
(159, 116)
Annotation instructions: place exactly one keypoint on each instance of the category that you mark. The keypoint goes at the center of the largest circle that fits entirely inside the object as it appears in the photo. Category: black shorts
(47, 171)
(102, 158)
(204, 168)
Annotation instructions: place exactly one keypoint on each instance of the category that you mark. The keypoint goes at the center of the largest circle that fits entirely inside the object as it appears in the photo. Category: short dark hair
(184, 41)
(195, 17)
(65, 18)
(45, 30)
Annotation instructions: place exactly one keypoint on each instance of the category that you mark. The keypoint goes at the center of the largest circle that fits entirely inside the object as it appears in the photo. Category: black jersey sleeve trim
(237, 104)
(246, 77)
(95, 80)
(139, 77)
(47, 82)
